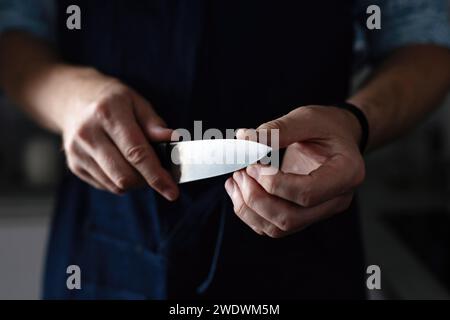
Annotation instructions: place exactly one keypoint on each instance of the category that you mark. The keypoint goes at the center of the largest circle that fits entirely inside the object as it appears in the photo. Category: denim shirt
(34, 16)
(403, 22)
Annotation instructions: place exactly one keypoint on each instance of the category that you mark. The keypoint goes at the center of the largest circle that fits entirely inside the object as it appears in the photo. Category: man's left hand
(321, 168)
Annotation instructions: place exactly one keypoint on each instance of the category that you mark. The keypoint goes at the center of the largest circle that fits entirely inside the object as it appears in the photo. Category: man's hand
(320, 170)
(106, 126)
(106, 133)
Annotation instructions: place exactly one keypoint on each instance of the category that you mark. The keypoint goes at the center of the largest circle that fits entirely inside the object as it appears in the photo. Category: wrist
(70, 88)
(357, 123)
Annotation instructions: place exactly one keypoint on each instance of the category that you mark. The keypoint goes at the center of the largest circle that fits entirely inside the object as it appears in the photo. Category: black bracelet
(362, 119)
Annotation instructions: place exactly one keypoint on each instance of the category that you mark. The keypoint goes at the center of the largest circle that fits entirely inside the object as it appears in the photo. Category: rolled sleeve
(33, 16)
(406, 22)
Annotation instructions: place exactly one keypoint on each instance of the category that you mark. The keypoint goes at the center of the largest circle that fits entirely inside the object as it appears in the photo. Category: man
(136, 70)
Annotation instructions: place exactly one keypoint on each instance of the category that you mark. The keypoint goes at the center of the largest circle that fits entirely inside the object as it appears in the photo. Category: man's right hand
(106, 130)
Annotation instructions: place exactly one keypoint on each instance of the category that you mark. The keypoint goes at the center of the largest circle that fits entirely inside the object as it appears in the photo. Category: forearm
(32, 76)
(407, 86)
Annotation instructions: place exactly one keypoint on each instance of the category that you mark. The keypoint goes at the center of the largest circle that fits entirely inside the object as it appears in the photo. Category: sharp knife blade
(202, 159)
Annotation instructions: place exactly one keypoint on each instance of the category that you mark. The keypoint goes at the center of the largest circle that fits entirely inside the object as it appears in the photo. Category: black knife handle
(163, 151)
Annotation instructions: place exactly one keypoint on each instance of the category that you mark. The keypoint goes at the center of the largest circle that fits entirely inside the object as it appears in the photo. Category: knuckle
(102, 110)
(155, 181)
(275, 124)
(83, 133)
(285, 224)
(70, 147)
(75, 167)
(240, 210)
(272, 184)
(125, 182)
(118, 89)
(306, 198)
(137, 155)
(252, 198)
(307, 111)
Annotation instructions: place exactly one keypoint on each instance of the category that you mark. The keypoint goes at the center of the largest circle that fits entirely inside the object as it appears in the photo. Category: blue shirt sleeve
(405, 22)
(34, 16)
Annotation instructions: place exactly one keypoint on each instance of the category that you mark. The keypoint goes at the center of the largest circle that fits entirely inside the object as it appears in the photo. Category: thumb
(153, 126)
(281, 132)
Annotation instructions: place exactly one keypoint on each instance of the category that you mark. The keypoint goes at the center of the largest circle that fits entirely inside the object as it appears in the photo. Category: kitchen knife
(200, 159)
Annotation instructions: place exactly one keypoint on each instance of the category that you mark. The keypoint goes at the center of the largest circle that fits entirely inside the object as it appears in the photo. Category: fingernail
(159, 129)
(160, 132)
(247, 134)
(237, 176)
(175, 136)
(253, 171)
(240, 133)
(229, 186)
(118, 192)
(255, 229)
(171, 195)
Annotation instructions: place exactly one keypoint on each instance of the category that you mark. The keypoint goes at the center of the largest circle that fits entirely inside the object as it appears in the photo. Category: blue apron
(230, 64)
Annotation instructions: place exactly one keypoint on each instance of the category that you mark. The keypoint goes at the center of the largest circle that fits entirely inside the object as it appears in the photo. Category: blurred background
(405, 206)
(30, 165)
(405, 212)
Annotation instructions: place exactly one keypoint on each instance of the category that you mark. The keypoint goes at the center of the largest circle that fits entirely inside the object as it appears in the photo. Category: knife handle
(163, 151)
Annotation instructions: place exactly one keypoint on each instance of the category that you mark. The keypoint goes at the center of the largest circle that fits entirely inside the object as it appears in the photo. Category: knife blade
(201, 159)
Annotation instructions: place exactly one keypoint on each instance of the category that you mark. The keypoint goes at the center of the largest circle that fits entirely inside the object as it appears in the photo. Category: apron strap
(215, 258)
